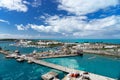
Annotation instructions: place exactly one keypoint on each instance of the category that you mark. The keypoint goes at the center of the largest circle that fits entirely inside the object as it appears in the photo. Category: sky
(40, 19)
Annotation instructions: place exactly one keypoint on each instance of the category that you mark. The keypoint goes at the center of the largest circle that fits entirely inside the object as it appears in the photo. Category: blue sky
(60, 19)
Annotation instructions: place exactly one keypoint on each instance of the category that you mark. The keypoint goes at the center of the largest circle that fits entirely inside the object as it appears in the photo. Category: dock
(55, 66)
(59, 56)
(51, 65)
(68, 70)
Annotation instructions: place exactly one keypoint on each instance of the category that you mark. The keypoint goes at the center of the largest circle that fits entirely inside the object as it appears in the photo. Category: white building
(110, 46)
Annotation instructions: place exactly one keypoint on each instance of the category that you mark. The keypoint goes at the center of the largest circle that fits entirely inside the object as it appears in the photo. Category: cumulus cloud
(18, 5)
(77, 26)
(21, 27)
(4, 21)
(36, 3)
(81, 7)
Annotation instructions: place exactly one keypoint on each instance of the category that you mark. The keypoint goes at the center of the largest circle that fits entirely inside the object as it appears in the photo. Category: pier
(54, 66)
(59, 56)
(67, 70)
(51, 65)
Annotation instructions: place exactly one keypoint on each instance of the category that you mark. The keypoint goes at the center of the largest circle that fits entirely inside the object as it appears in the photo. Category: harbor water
(10, 69)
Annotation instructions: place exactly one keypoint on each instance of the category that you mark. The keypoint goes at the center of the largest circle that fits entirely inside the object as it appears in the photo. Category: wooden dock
(57, 67)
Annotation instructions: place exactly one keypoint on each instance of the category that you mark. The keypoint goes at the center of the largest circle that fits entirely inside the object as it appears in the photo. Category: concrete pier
(68, 70)
(58, 56)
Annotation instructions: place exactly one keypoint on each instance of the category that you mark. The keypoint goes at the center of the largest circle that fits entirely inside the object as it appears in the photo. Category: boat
(29, 61)
(50, 76)
(34, 51)
(20, 60)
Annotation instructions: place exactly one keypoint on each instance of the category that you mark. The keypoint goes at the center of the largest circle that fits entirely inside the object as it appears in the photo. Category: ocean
(114, 41)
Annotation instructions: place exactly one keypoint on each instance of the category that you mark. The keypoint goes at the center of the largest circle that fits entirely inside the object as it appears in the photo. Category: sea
(10, 69)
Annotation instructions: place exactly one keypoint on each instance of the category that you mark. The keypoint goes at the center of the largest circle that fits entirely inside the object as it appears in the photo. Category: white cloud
(36, 3)
(76, 26)
(76, 23)
(18, 5)
(25, 2)
(81, 7)
(4, 21)
(41, 28)
(21, 27)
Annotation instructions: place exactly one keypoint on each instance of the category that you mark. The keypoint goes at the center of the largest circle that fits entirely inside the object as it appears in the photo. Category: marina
(59, 58)
(54, 66)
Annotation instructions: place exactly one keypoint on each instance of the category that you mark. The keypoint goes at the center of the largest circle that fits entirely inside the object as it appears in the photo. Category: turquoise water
(13, 70)
(10, 69)
(92, 63)
(115, 41)
(25, 50)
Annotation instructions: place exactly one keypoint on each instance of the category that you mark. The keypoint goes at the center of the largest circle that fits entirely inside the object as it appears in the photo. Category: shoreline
(99, 53)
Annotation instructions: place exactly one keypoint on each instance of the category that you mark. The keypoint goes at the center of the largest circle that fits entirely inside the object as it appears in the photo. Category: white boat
(34, 51)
